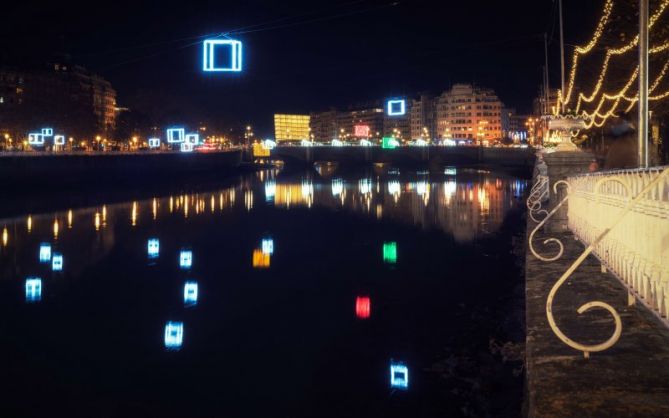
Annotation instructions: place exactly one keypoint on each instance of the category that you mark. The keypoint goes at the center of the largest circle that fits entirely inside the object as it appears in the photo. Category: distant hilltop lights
(222, 55)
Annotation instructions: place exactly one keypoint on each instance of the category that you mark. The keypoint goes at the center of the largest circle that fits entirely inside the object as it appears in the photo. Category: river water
(306, 294)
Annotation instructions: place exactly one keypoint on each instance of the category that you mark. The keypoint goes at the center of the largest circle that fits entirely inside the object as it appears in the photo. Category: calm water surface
(284, 295)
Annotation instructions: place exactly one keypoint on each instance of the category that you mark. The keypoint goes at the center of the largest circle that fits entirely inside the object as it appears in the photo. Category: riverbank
(631, 379)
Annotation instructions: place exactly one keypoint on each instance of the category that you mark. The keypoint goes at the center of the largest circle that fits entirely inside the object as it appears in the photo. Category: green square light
(388, 143)
(390, 252)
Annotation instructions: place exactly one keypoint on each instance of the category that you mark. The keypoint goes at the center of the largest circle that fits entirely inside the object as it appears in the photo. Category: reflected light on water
(33, 289)
(185, 259)
(363, 307)
(270, 190)
(390, 252)
(153, 248)
(44, 252)
(56, 228)
(69, 219)
(174, 335)
(337, 187)
(29, 223)
(190, 293)
(260, 260)
(399, 375)
(96, 221)
(5, 236)
(268, 246)
(57, 262)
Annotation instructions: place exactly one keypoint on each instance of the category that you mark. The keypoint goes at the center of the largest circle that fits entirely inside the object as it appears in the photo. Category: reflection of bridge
(514, 158)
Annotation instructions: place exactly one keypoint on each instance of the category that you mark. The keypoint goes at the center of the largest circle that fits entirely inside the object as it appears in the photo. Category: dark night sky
(324, 53)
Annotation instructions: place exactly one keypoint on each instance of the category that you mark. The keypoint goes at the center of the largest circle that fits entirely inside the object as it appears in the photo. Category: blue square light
(190, 293)
(44, 252)
(399, 376)
(396, 107)
(176, 135)
(192, 139)
(185, 259)
(33, 289)
(213, 47)
(174, 335)
(57, 262)
(153, 248)
(268, 246)
(186, 147)
(47, 131)
(59, 139)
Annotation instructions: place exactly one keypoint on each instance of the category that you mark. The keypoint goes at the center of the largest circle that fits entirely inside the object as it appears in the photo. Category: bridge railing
(635, 247)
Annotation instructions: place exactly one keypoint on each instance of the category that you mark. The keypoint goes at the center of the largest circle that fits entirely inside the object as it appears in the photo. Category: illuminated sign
(192, 139)
(399, 375)
(450, 171)
(269, 144)
(153, 248)
(35, 139)
(186, 147)
(190, 293)
(185, 259)
(260, 150)
(389, 143)
(44, 252)
(363, 307)
(268, 246)
(33, 289)
(57, 262)
(420, 143)
(261, 260)
(59, 140)
(390, 252)
(47, 131)
(337, 143)
(154, 142)
(213, 48)
(337, 187)
(396, 107)
(365, 143)
(361, 131)
(174, 335)
(176, 135)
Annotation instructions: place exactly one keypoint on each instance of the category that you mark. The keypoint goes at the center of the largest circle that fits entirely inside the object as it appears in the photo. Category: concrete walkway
(629, 380)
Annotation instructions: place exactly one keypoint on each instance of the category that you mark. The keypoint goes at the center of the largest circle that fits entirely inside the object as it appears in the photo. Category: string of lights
(564, 100)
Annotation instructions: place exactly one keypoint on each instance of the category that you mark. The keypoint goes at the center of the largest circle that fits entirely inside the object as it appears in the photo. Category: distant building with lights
(66, 97)
(514, 126)
(423, 118)
(324, 125)
(347, 125)
(469, 112)
(291, 127)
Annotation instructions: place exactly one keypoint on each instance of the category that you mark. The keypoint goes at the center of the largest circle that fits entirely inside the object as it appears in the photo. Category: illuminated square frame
(209, 54)
(192, 139)
(361, 131)
(59, 139)
(154, 142)
(186, 147)
(180, 135)
(36, 139)
(47, 131)
(392, 103)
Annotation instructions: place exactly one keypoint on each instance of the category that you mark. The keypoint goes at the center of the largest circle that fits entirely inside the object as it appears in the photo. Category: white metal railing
(538, 195)
(629, 210)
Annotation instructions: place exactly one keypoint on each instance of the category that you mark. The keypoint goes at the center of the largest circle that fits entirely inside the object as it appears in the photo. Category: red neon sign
(361, 130)
(363, 307)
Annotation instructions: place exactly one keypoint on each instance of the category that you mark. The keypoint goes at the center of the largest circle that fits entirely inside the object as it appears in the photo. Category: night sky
(299, 56)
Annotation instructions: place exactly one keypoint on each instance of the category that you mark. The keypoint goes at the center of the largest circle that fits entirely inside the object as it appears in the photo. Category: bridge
(484, 157)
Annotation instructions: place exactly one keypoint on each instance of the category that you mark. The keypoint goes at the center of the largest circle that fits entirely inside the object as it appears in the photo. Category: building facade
(324, 125)
(68, 98)
(423, 118)
(291, 127)
(469, 112)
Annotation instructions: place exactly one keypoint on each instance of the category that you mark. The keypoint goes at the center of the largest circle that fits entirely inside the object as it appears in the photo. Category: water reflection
(399, 375)
(44, 252)
(185, 259)
(363, 307)
(33, 289)
(153, 248)
(390, 252)
(190, 293)
(57, 262)
(174, 335)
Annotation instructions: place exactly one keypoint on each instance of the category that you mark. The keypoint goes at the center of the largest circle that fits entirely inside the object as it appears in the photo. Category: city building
(423, 118)
(398, 125)
(291, 127)
(469, 112)
(514, 126)
(370, 120)
(66, 97)
(324, 125)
